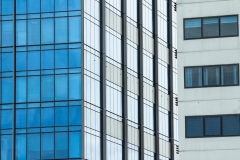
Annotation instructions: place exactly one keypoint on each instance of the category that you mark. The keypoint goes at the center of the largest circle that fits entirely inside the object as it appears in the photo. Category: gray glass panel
(229, 26)
(212, 126)
(194, 126)
(229, 75)
(210, 27)
(231, 125)
(211, 76)
(193, 28)
(193, 77)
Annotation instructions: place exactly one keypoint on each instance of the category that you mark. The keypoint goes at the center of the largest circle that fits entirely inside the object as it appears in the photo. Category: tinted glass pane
(210, 27)
(47, 117)
(74, 4)
(74, 87)
(61, 116)
(61, 30)
(6, 90)
(6, 120)
(33, 146)
(194, 126)
(7, 33)
(229, 26)
(21, 33)
(60, 5)
(33, 60)
(212, 126)
(192, 28)
(61, 59)
(74, 115)
(61, 87)
(6, 7)
(74, 29)
(33, 88)
(34, 31)
(47, 146)
(61, 144)
(21, 6)
(47, 34)
(47, 59)
(211, 76)
(193, 77)
(21, 59)
(21, 147)
(21, 118)
(33, 118)
(21, 89)
(229, 75)
(74, 58)
(47, 86)
(47, 5)
(33, 6)
(230, 125)
(6, 147)
(6, 62)
(74, 145)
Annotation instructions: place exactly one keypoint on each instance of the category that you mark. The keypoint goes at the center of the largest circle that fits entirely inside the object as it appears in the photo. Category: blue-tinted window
(229, 26)
(6, 119)
(193, 28)
(212, 126)
(60, 5)
(21, 58)
(75, 29)
(61, 30)
(193, 77)
(194, 127)
(6, 62)
(47, 146)
(33, 6)
(47, 31)
(33, 88)
(6, 7)
(74, 145)
(210, 27)
(6, 90)
(7, 33)
(61, 59)
(33, 119)
(21, 147)
(21, 89)
(231, 125)
(33, 146)
(74, 58)
(21, 32)
(74, 86)
(47, 117)
(6, 147)
(61, 87)
(61, 145)
(211, 76)
(47, 91)
(75, 115)
(47, 5)
(21, 118)
(61, 116)
(74, 4)
(229, 75)
(21, 6)
(47, 59)
(33, 31)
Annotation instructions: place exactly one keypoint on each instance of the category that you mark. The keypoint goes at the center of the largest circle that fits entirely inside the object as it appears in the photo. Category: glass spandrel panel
(194, 127)
(231, 125)
(193, 28)
(229, 26)
(210, 27)
(193, 77)
(229, 75)
(212, 126)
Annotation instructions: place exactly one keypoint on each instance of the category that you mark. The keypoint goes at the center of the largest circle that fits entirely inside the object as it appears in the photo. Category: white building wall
(211, 100)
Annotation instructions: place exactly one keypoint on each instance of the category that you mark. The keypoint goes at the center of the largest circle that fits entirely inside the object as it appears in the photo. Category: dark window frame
(219, 25)
(220, 83)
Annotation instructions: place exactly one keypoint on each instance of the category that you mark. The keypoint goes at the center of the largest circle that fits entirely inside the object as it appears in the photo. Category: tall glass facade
(78, 80)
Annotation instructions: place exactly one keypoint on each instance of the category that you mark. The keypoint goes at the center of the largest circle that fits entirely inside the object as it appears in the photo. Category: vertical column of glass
(92, 80)
(48, 79)
(6, 78)
(133, 81)
(163, 66)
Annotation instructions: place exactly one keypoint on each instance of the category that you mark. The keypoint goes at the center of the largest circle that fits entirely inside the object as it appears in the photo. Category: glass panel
(229, 75)
(211, 76)
(47, 59)
(33, 6)
(6, 7)
(61, 30)
(47, 5)
(231, 125)
(60, 5)
(7, 32)
(21, 33)
(21, 6)
(47, 86)
(33, 117)
(47, 115)
(74, 58)
(74, 115)
(74, 4)
(33, 146)
(21, 89)
(34, 31)
(61, 116)
(6, 62)
(229, 26)
(21, 118)
(6, 90)
(61, 87)
(6, 147)
(21, 64)
(74, 87)
(47, 34)
(74, 145)
(61, 144)
(61, 59)
(194, 127)
(33, 89)
(212, 126)
(193, 77)
(74, 29)
(21, 147)
(6, 120)
(210, 27)
(193, 28)
(47, 146)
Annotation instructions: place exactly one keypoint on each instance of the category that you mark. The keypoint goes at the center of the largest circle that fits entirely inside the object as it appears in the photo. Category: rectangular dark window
(211, 27)
(212, 126)
(211, 76)
(194, 127)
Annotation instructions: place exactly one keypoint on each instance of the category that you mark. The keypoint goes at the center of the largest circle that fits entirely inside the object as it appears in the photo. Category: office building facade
(208, 41)
(88, 80)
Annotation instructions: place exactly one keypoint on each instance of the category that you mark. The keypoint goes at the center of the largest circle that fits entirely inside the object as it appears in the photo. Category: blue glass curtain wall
(47, 79)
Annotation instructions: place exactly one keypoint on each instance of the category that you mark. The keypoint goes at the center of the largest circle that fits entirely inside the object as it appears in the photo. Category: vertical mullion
(156, 114)
(171, 77)
(103, 79)
(14, 80)
(82, 141)
(140, 70)
(124, 93)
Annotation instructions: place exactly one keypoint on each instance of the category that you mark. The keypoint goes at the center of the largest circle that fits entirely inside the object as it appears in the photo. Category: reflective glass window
(33, 88)
(74, 145)
(47, 88)
(34, 6)
(74, 58)
(7, 32)
(231, 125)
(210, 27)
(21, 6)
(194, 127)
(61, 145)
(74, 86)
(21, 33)
(6, 147)
(6, 90)
(21, 147)
(33, 146)
(34, 60)
(74, 4)
(60, 5)
(47, 5)
(47, 117)
(61, 87)
(33, 119)
(21, 89)
(6, 7)
(193, 77)
(21, 58)
(47, 59)
(6, 120)
(21, 118)
(75, 115)
(47, 31)
(33, 31)
(193, 28)
(47, 146)
(211, 76)
(229, 26)
(61, 30)
(75, 29)
(6, 62)
(61, 116)
(61, 59)
(229, 75)
(212, 126)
